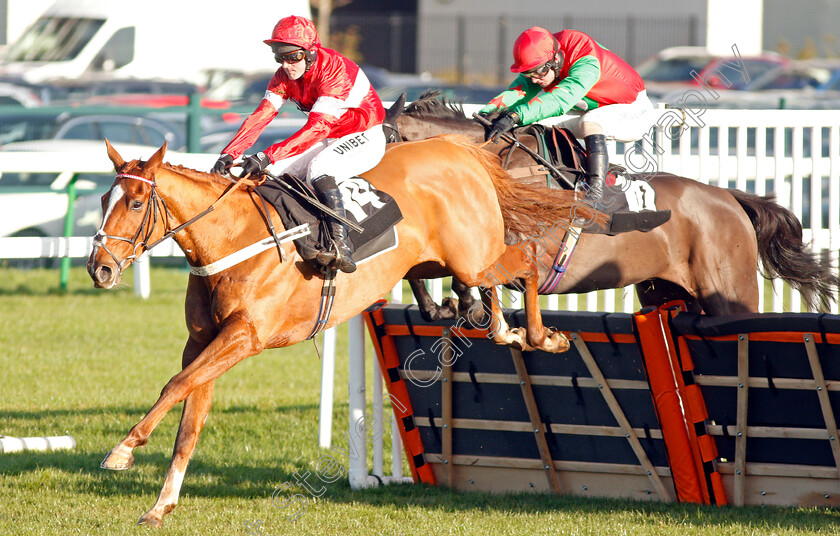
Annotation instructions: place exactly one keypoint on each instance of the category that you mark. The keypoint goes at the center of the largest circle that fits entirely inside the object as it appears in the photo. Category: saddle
(375, 213)
(624, 193)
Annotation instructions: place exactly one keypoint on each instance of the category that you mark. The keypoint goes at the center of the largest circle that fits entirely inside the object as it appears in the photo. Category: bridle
(393, 133)
(156, 207)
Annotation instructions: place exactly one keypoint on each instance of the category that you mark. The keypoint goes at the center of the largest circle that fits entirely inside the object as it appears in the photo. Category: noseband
(155, 206)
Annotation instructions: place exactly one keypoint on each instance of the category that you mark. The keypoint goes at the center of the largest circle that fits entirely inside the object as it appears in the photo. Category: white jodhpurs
(342, 158)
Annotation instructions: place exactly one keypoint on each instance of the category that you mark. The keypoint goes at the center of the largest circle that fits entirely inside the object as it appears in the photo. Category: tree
(324, 9)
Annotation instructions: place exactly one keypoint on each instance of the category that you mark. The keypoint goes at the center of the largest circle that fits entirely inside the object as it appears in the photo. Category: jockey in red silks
(342, 136)
(566, 70)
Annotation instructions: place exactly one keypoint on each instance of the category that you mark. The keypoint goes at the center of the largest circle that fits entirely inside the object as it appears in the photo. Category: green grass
(89, 363)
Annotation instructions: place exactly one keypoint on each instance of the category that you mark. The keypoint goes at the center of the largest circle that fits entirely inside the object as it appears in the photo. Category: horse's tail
(526, 207)
(783, 253)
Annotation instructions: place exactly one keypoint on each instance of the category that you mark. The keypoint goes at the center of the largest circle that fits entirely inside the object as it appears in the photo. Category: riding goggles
(291, 57)
(538, 72)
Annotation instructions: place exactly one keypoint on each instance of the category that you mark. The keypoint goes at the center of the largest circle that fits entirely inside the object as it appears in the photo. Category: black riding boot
(328, 194)
(597, 164)
(597, 167)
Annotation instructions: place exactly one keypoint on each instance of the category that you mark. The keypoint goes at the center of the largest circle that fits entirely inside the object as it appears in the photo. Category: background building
(470, 40)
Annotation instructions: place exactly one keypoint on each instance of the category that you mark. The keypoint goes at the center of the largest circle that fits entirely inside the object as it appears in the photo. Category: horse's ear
(115, 157)
(155, 161)
(395, 110)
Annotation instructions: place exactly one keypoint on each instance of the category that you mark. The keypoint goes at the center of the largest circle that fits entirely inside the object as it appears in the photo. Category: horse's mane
(432, 104)
(526, 208)
(196, 174)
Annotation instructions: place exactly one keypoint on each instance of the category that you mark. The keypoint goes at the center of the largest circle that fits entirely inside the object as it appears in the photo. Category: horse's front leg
(539, 336)
(499, 330)
(235, 341)
(518, 265)
(196, 408)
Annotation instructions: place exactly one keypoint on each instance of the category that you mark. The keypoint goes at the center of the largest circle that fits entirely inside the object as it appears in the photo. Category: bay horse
(706, 255)
(267, 302)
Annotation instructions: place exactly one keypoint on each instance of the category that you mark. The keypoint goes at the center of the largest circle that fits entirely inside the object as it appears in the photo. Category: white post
(357, 471)
(142, 287)
(396, 448)
(327, 385)
(396, 440)
(378, 424)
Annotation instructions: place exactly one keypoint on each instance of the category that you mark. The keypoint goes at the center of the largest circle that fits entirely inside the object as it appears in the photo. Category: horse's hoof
(555, 343)
(437, 312)
(476, 317)
(514, 338)
(450, 306)
(118, 460)
(150, 521)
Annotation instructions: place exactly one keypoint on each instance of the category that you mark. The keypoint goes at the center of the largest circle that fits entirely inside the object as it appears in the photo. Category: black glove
(222, 164)
(254, 164)
(502, 125)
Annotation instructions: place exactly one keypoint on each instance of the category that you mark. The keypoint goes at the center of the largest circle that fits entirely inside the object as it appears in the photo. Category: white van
(166, 39)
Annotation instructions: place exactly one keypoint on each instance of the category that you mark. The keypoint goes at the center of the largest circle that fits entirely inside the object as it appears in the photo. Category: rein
(536, 156)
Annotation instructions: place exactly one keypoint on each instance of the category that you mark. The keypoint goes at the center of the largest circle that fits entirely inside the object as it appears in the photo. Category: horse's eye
(136, 205)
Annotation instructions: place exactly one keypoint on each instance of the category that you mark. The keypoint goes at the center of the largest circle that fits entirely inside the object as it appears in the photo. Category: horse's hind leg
(726, 281)
(658, 291)
(429, 310)
(466, 301)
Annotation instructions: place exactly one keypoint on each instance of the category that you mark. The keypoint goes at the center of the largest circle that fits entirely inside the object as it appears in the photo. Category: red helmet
(295, 30)
(534, 47)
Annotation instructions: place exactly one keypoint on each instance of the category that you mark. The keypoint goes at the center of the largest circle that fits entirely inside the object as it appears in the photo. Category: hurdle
(657, 405)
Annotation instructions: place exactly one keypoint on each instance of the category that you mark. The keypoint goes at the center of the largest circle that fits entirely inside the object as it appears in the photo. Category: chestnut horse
(266, 302)
(706, 255)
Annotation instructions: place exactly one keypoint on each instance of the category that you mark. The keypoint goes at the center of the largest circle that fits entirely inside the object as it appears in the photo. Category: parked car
(382, 78)
(240, 88)
(34, 204)
(671, 70)
(809, 84)
(277, 131)
(41, 124)
(100, 89)
(472, 94)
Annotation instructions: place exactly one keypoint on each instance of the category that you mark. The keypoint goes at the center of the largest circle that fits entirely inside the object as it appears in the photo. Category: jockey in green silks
(566, 70)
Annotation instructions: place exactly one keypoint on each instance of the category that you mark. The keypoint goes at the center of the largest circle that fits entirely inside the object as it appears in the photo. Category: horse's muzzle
(104, 276)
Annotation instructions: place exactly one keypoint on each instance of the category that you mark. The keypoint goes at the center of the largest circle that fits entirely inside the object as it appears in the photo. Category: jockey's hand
(254, 164)
(502, 125)
(222, 164)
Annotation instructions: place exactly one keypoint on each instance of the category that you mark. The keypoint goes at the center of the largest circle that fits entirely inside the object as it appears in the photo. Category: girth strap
(527, 171)
(561, 261)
